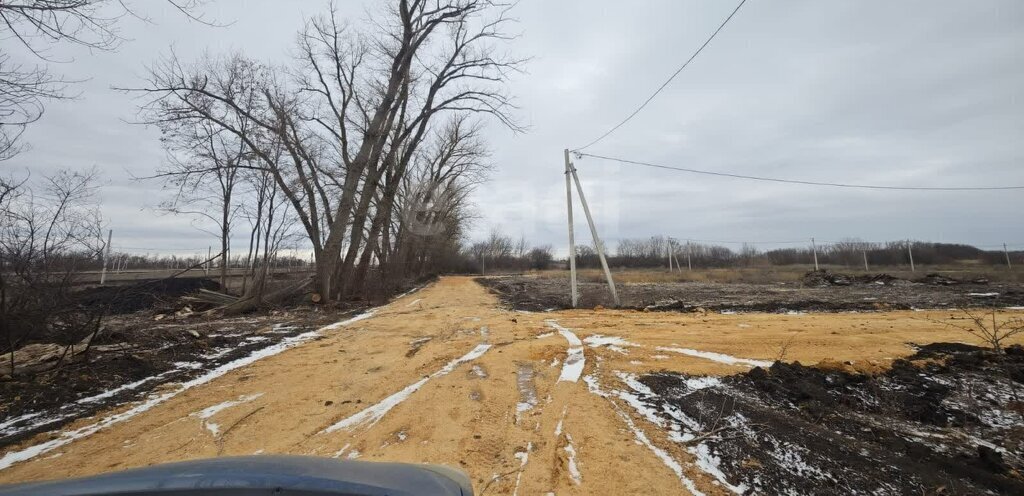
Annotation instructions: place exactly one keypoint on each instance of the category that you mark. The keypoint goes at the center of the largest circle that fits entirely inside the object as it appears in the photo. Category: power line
(806, 183)
(663, 85)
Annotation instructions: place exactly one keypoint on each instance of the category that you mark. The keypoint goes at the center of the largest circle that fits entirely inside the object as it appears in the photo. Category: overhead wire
(800, 181)
(666, 83)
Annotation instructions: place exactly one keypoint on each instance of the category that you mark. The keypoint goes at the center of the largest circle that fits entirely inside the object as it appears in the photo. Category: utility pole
(1007, 253)
(865, 253)
(206, 266)
(689, 266)
(911, 253)
(106, 257)
(593, 233)
(814, 248)
(668, 251)
(572, 239)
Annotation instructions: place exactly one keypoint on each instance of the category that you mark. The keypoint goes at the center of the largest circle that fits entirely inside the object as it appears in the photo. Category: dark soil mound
(126, 299)
(944, 421)
(821, 292)
(820, 278)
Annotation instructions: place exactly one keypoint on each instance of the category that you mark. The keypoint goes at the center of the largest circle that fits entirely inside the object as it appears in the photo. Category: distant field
(791, 273)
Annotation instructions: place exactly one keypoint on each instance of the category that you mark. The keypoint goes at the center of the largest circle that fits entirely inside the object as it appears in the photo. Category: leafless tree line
(371, 137)
(503, 253)
(46, 229)
(654, 251)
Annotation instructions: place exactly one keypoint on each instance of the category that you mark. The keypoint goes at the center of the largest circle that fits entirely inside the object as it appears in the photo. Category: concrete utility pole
(865, 253)
(911, 253)
(689, 266)
(572, 238)
(1007, 253)
(814, 248)
(668, 251)
(206, 266)
(106, 257)
(593, 233)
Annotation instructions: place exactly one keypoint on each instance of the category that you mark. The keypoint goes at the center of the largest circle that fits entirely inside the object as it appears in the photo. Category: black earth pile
(948, 420)
(828, 278)
(823, 277)
(820, 292)
(119, 300)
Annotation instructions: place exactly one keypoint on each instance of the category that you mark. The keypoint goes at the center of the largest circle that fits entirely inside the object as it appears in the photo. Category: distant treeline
(654, 252)
(503, 253)
(133, 261)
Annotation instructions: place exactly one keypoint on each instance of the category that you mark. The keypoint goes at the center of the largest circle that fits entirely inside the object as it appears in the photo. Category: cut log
(250, 303)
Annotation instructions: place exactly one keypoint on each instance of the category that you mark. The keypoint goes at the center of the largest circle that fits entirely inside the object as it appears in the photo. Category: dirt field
(583, 402)
(809, 292)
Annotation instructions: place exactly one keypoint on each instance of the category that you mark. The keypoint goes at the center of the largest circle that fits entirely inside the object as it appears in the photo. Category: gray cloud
(899, 93)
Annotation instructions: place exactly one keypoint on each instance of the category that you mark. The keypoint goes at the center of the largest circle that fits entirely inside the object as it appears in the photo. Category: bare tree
(23, 89)
(994, 334)
(540, 257)
(432, 203)
(353, 114)
(204, 169)
(39, 25)
(46, 233)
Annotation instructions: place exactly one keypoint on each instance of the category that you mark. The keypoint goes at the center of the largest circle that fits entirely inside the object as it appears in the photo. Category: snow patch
(66, 437)
(205, 414)
(340, 452)
(558, 428)
(598, 340)
(572, 369)
(594, 387)
(372, 414)
(523, 457)
(527, 392)
(718, 357)
(574, 470)
(681, 432)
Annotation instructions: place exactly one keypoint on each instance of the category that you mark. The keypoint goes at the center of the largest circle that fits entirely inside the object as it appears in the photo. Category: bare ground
(567, 401)
(812, 294)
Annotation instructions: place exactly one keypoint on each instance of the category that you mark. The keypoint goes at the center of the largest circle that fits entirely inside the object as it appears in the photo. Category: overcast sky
(910, 93)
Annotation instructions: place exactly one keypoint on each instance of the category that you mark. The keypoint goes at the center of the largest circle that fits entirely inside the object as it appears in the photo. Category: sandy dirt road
(526, 403)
